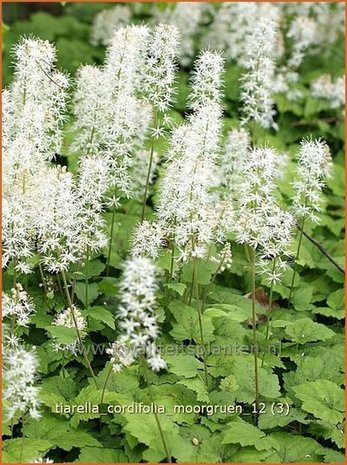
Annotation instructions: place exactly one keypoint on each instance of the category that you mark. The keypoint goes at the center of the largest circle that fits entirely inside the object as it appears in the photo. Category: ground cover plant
(173, 233)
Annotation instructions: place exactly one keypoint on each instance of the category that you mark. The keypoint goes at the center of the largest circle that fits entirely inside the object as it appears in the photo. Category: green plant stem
(191, 286)
(254, 336)
(162, 436)
(14, 282)
(149, 170)
(43, 279)
(105, 384)
(77, 330)
(269, 316)
(111, 235)
(87, 277)
(172, 262)
(60, 288)
(301, 230)
(196, 286)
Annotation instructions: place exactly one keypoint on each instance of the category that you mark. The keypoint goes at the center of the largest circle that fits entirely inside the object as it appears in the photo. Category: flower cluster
(257, 82)
(106, 21)
(136, 315)
(147, 240)
(110, 119)
(18, 305)
(19, 376)
(332, 91)
(33, 114)
(314, 166)
(261, 223)
(159, 73)
(186, 16)
(71, 317)
(186, 210)
(231, 159)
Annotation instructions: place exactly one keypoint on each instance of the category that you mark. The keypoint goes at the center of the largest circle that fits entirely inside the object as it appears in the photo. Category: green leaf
(336, 299)
(60, 433)
(95, 268)
(204, 271)
(229, 384)
(245, 434)
(329, 365)
(108, 286)
(101, 314)
(332, 456)
(93, 395)
(305, 330)
(238, 305)
(267, 420)
(198, 386)
(55, 390)
(145, 429)
(302, 297)
(294, 448)
(101, 455)
(233, 312)
(243, 371)
(93, 292)
(330, 312)
(177, 287)
(63, 334)
(183, 365)
(24, 450)
(323, 398)
(187, 323)
(328, 431)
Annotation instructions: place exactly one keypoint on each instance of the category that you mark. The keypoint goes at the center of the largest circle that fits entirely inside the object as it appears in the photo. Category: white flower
(206, 79)
(18, 305)
(314, 166)
(57, 223)
(125, 59)
(232, 157)
(106, 21)
(147, 240)
(332, 91)
(156, 363)
(234, 22)
(19, 376)
(111, 120)
(120, 355)
(257, 82)
(39, 87)
(185, 209)
(92, 185)
(33, 114)
(303, 32)
(70, 318)
(260, 222)
(136, 313)
(159, 75)
(186, 16)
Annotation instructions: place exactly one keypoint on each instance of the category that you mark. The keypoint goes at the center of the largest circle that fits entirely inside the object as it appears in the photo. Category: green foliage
(323, 398)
